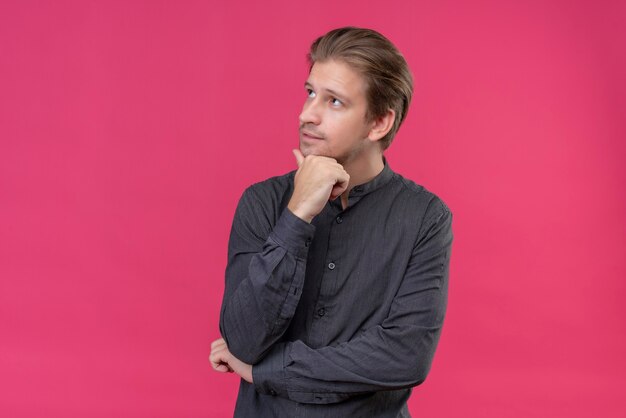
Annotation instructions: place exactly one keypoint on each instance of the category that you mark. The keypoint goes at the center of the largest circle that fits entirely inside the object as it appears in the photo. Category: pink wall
(128, 131)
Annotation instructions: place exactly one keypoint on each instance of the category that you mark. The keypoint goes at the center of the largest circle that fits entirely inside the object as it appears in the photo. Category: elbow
(248, 341)
(412, 376)
(414, 373)
(240, 349)
(420, 377)
(418, 359)
(420, 372)
(243, 349)
(245, 354)
(238, 346)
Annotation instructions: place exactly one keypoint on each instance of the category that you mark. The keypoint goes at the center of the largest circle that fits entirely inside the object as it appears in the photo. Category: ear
(381, 125)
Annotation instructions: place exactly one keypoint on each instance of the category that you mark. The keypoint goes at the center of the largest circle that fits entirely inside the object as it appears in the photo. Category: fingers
(341, 184)
(220, 356)
(299, 157)
(219, 361)
(219, 341)
(217, 357)
(336, 192)
(318, 179)
(223, 368)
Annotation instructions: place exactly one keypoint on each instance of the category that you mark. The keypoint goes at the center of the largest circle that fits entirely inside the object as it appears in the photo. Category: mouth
(308, 135)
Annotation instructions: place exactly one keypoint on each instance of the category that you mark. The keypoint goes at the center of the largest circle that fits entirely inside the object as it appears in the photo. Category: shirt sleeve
(264, 277)
(395, 354)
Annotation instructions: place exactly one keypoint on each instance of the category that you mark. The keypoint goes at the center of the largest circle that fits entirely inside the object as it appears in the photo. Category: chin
(309, 150)
(318, 153)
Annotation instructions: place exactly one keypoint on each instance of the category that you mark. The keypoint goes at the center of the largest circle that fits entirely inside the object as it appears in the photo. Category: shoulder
(270, 189)
(426, 207)
(262, 203)
(419, 195)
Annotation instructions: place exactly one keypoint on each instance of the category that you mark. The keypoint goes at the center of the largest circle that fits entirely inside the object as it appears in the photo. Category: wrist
(300, 213)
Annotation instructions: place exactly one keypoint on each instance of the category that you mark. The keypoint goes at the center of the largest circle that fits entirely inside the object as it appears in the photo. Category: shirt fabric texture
(340, 317)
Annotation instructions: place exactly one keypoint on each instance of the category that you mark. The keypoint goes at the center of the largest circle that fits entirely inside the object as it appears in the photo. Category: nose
(310, 113)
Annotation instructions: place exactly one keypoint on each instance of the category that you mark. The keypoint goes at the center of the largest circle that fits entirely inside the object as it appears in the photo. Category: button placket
(321, 313)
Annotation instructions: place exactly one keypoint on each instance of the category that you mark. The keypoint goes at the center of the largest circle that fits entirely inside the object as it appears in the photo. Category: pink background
(128, 131)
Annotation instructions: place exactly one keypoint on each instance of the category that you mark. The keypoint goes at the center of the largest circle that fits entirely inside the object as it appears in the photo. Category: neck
(361, 171)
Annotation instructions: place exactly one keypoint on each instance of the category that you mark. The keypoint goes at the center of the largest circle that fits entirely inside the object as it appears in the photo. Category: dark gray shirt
(340, 317)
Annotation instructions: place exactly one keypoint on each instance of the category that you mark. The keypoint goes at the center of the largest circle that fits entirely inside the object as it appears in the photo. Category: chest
(355, 265)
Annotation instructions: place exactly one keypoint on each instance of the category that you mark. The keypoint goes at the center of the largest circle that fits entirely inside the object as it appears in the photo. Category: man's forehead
(336, 76)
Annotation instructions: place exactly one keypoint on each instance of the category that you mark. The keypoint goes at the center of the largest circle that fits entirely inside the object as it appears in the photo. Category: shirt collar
(377, 182)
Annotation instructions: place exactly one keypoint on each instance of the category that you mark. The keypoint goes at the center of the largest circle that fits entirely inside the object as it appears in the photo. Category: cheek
(354, 127)
(341, 124)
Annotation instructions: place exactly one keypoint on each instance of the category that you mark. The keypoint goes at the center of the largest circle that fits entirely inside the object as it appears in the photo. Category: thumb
(299, 156)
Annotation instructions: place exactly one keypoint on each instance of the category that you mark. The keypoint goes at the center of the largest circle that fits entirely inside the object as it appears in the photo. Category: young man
(337, 276)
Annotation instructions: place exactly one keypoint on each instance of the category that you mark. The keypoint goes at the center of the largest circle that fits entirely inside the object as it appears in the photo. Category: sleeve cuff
(268, 375)
(292, 233)
(270, 378)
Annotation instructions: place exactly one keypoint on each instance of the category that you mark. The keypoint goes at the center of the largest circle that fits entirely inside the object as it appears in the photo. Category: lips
(309, 134)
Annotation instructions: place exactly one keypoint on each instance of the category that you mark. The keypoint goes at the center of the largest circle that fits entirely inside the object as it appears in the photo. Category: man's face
(332, 122)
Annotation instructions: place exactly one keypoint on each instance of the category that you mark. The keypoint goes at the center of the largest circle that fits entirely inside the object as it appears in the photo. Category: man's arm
(266, 264)
(264, 277)
(395, 354)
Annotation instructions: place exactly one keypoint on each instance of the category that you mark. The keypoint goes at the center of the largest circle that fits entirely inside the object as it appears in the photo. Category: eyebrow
(332, 92)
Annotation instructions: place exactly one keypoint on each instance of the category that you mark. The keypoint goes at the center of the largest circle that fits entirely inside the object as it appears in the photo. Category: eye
(310, 93)
(335, 102)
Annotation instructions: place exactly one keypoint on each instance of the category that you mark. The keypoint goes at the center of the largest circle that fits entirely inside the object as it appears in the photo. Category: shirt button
(321, 311)
(307, 242)
(339, 219)
(331, 266)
